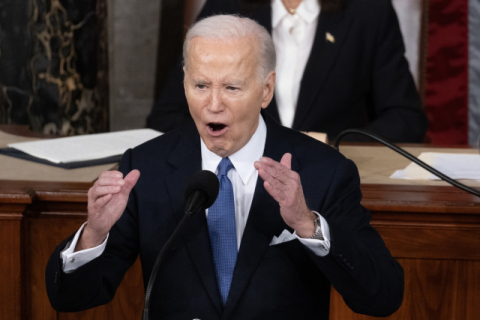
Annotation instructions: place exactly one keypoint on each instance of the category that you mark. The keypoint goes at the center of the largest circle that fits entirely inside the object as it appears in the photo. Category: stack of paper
(456, 166)
(82, 150)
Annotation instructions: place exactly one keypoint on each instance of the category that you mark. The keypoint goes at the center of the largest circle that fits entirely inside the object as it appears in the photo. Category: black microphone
(200, 193)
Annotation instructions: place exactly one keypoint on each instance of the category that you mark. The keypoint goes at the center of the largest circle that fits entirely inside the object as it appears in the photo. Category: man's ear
(268, 89)
(184, 77)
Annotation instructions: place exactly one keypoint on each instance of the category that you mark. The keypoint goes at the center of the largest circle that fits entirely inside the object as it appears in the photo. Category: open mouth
(216, 126)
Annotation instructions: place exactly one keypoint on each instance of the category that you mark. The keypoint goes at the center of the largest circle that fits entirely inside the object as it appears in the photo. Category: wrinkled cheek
(195, 109)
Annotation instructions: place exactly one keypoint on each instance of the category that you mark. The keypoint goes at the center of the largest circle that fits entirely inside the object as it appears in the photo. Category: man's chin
(221, 152)
(219, 149)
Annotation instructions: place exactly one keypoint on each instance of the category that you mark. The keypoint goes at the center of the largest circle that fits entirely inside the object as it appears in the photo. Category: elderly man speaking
(286, 225)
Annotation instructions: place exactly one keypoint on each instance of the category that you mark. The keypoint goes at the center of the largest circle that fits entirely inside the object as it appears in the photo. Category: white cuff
(73, 260)
(319, 247)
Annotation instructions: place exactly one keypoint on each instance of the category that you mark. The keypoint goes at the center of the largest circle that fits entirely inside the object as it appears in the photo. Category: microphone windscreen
(205, 181)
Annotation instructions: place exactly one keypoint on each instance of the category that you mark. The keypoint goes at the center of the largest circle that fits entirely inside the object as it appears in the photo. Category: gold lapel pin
(329, 37)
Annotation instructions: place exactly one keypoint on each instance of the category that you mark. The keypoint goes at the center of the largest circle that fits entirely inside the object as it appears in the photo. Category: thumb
(287, 160)
(130, 181)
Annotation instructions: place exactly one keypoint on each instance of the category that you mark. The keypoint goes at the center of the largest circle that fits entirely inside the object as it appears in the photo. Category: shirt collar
(278, 12)
(308, 10)
(244, 158)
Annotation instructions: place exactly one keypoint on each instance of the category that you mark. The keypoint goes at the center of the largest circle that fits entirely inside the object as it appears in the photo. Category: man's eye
(200, 86)
(232, 88)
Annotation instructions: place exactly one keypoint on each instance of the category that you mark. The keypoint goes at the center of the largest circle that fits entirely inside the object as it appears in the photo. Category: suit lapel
(264, 221)
(186, 160)
(198, 245)
(320, 62)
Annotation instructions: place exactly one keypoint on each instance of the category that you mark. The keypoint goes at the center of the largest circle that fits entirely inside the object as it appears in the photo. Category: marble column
(54, 65)
(15, 51)
(133, 41)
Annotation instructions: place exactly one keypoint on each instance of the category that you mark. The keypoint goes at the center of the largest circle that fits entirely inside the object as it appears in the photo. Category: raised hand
(107, 199)
(285, 187)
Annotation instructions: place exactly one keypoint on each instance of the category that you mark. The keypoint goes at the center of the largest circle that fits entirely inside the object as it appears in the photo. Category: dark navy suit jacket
(361, 80)
(285, 281)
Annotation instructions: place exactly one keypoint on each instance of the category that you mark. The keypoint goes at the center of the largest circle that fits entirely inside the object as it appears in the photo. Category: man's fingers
(130, 181)
(109, 181)
(281, 182)
(111, 174)
(277, 165)
(276, 169)
(273, 172)
(101, 191)
(274, 181)
(110, 178)
(287, 160)
(276, 194)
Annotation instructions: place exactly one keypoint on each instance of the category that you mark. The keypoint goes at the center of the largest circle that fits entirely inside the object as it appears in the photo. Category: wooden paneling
(419, 199)
(127, 304)
(44, 231)
(43, 234)
(434, 232)
(432, 242)
(11, 264)
(434, 290)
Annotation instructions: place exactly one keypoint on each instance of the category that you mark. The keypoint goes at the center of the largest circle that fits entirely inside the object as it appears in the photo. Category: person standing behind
(340, 65)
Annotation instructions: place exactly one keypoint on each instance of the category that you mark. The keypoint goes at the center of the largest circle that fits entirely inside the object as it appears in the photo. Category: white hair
(230, 27)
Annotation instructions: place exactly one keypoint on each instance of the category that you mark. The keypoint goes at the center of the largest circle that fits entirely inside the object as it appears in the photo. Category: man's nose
(216, 103)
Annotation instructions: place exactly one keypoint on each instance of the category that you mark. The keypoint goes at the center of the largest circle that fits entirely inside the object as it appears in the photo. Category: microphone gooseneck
(407, 155)
(200, 193)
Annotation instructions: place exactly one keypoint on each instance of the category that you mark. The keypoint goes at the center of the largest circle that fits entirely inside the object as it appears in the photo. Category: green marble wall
(53, 65)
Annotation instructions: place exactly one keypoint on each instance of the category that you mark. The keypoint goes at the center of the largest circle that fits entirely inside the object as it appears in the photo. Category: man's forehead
(225, 61)
(226, 80)
(228, 48)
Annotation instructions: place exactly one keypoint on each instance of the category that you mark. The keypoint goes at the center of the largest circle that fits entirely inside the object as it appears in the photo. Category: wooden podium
(433, 230)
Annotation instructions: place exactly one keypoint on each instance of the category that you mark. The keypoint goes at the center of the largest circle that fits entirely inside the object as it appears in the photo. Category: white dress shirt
(243, 177)
(293, 37)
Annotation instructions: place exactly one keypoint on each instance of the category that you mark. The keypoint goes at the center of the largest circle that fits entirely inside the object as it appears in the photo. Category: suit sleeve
(359, 266)
(395, 109)
(96, 282)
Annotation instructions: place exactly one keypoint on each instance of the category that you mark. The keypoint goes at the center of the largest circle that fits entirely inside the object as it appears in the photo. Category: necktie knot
(224, 166)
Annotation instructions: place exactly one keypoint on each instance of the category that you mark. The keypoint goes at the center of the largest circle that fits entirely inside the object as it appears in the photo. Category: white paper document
(86, 147)
(456, 166)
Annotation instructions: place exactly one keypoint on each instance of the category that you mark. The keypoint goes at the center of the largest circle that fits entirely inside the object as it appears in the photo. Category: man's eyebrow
(233, 83)
(200, 81)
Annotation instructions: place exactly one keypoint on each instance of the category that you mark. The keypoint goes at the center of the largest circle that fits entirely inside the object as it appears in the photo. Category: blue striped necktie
(222, 231)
